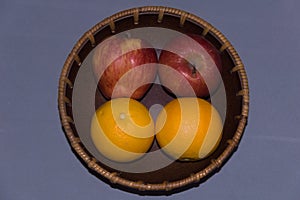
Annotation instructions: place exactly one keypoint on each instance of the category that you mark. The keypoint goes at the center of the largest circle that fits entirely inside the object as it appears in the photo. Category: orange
(122, 129)
(188, 129)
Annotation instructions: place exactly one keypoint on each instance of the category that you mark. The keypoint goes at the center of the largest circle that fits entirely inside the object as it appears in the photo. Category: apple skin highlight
(124, 67)
(196, 62)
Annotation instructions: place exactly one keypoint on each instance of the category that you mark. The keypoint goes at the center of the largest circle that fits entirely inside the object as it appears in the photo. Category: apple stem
(194, 70)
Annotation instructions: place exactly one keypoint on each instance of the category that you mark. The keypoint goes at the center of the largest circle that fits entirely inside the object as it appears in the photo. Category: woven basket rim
(113, 177)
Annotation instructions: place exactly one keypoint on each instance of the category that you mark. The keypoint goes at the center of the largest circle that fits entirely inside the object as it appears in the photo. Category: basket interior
(177, 170)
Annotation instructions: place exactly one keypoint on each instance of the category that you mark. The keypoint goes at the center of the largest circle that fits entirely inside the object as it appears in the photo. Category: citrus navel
(122, 129)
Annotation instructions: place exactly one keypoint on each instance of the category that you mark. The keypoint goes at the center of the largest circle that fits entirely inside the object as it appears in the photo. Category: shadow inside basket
(177, 175)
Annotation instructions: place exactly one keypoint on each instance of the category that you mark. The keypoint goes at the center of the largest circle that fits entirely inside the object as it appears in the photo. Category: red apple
(124, 67)
(193, 62)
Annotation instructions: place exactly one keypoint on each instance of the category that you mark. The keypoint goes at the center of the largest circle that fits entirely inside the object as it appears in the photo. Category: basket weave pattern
(134, 14)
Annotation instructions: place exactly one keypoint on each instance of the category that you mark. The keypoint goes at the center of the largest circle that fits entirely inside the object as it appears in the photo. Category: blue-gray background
(35, 38)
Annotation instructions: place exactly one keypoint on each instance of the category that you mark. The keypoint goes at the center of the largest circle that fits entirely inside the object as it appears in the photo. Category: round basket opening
(79, 98)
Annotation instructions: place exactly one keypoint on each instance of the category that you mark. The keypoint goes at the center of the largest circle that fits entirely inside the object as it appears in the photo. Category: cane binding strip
(162, 14)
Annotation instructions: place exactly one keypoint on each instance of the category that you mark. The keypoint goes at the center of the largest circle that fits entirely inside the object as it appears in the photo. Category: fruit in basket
(198, 63)
(188, 129)
(122, 129)
(124, 67)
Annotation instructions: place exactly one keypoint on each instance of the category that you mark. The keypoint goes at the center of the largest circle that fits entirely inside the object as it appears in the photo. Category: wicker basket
(178, 176)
